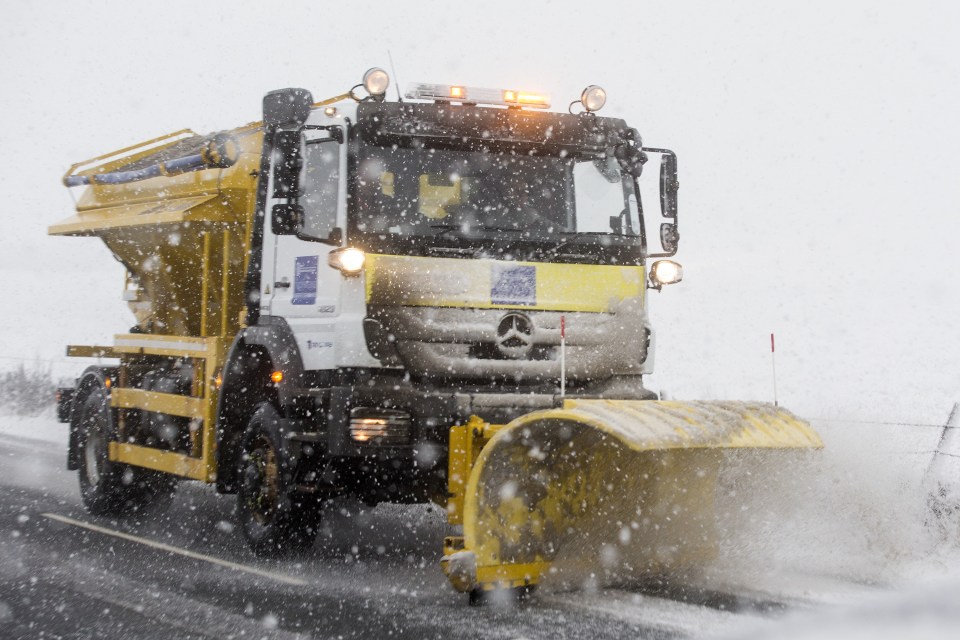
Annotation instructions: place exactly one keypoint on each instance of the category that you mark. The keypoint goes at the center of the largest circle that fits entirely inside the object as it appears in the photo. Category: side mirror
(286, 219)
(286, 107)
(335, 238)
(668, 185)
(616, 224)
(669, 237)
(287, 164)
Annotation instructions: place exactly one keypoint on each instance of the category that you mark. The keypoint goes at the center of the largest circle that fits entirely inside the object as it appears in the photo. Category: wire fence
(883, 423)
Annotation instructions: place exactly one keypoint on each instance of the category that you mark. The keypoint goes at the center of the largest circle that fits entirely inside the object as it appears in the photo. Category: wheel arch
(256, 352)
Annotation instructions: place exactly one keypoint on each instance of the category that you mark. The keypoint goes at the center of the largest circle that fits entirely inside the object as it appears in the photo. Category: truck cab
(454, 255)
(418, 236)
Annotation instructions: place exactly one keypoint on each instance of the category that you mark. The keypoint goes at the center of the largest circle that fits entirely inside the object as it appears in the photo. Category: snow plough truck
(438, 299)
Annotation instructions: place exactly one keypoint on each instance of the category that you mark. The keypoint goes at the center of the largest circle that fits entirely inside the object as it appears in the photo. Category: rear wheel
(112, 488)
(101, 481)
(275, 518)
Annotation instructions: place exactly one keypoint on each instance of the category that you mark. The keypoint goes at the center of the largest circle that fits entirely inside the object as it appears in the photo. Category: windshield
(425, 197)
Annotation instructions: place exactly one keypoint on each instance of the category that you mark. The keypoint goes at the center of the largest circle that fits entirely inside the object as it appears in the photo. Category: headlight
(376, 81)
(593, 98)
(665, 272)
(348, 260)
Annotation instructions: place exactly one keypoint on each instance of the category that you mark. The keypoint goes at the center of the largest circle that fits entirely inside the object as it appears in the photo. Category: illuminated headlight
(380, 426)
(665, 272)
(348, 260)
(593, 98)
(376, 81)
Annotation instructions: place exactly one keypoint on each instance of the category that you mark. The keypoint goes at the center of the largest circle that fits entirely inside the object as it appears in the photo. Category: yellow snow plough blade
(562, 483)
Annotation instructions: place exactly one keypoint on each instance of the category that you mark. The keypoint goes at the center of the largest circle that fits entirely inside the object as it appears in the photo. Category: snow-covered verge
(43, 427)
(921, 612)
(849, 531)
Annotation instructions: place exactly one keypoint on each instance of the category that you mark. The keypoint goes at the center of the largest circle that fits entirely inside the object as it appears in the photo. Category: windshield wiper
(575, 237)
(514, 229)
(444, 229)
(459, 251)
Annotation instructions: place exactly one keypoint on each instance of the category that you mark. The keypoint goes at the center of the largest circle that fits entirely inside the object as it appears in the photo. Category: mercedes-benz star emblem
(515, 335)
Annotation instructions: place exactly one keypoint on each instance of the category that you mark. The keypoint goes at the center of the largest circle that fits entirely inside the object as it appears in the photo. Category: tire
(101, 481)
(274, 517)
(517, 595)
(110, 488)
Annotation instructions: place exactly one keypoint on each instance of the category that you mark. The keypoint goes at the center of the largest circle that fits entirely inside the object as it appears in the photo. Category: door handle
(281, 285)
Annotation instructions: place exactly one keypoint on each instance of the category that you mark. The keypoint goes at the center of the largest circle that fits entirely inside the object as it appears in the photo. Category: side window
(632, 223)
(320, 187)
(599, 195)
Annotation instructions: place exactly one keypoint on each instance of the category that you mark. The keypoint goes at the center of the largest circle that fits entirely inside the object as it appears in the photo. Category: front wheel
(275, 518)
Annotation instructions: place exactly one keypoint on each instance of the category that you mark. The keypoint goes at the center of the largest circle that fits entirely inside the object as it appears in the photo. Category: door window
(321, 181)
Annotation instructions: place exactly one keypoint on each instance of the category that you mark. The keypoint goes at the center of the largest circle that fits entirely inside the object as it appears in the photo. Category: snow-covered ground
(43, 428)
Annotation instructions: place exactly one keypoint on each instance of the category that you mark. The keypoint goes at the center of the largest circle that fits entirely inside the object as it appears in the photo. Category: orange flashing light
(457, 92)
(108, 383)
(530, 98)
(277, 376)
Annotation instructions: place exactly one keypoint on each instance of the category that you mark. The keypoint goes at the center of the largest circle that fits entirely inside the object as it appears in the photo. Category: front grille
(373, 426)
(489, 351)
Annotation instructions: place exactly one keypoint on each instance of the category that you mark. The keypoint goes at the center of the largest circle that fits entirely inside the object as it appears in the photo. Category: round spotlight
(593, 98)
(376, 81)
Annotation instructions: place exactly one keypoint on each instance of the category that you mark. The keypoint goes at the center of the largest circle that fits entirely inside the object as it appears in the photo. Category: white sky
(817, 144)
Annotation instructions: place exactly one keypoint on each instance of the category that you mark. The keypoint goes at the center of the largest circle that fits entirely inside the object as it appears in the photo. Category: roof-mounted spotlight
(593, 98)
(376, 81)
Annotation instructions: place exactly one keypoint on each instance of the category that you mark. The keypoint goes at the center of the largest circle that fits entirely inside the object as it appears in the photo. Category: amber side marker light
(276, 376)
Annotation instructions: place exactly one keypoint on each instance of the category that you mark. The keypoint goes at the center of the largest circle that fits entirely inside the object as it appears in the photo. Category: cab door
(302, 288)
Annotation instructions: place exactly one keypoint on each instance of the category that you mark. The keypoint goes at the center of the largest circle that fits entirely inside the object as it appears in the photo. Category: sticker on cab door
(305, 280)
